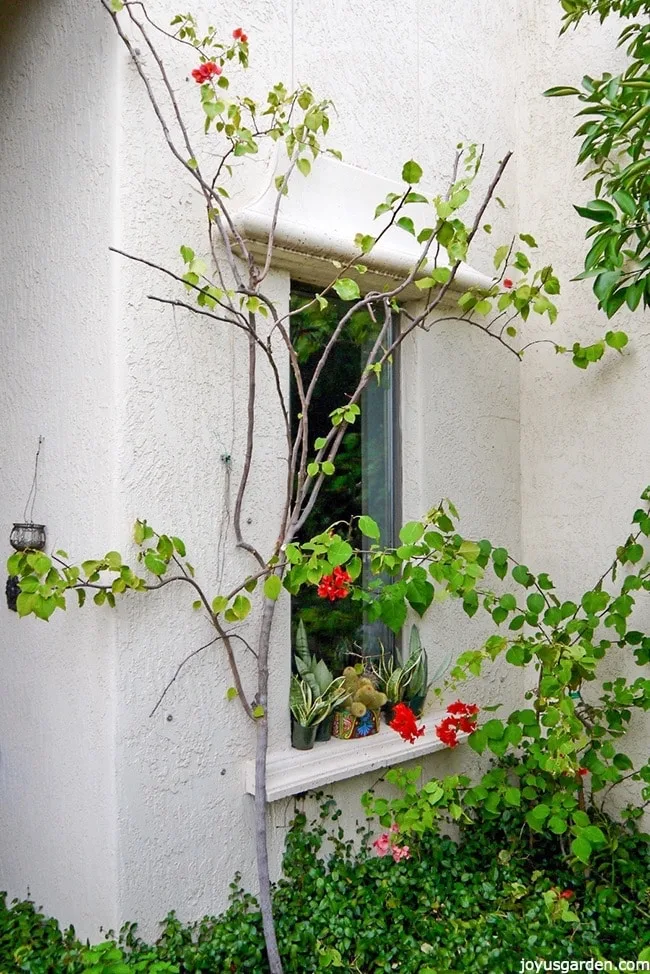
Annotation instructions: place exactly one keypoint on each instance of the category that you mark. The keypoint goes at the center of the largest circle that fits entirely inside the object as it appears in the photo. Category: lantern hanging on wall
(26, 535)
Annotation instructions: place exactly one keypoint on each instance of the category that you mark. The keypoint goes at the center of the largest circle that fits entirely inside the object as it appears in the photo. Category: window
(367, 466)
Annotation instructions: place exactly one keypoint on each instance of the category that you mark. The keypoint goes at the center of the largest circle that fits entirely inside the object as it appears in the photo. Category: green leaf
(478, 740)
(231, 693)
(527, 239)
(241, 606)
(179, 546)
(304, 165)
(258, 711)
(368, 527)
(581, 849)
(557, 825)
(339, 552)
(512, 797)
(411, 532)
(406, 223)
(155, 565)
(393, 613)
(616, 339)
(411, 172)
(560, 91)
(273, 587)
(500, 255)
(347, 289)
(219, 603)
(116, 6)
(535, 603)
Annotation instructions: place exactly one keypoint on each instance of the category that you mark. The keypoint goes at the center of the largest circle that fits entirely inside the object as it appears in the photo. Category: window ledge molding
(291, 772)
(319, 219)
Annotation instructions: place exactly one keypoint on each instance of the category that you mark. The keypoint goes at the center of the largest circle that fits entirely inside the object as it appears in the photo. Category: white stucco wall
(138, 427)
(57, 368)
(585, 451)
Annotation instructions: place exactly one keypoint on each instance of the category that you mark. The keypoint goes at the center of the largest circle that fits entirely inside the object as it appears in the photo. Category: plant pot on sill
(302, 738)
(347, 727)
(324, 729)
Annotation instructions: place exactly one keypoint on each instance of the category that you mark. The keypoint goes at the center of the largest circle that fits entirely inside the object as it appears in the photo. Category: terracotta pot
(347, 727)
(302, 738)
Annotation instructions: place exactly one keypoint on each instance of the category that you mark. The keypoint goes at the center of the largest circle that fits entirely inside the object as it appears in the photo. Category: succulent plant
(408, 680)
(361, 694)
(309, 708)
(315, 671)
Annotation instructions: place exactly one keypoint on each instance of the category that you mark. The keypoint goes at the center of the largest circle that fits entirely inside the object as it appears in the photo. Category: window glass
(366, 466)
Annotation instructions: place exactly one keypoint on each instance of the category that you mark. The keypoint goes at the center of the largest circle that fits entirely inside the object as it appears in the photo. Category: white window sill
(292, 772)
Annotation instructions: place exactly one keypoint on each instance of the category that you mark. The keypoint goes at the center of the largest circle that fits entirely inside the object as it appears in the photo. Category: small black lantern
(27, 536)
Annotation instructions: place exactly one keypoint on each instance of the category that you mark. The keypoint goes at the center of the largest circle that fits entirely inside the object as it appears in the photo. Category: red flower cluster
(507, 283)
(462, 717)
(206, 71)
(566, 894)
(335, 586)
(404, 722)
(239, 35)
(582, 772)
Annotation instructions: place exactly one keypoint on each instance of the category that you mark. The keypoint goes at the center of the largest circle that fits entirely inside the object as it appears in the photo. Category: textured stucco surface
(134, 816)
(57, 363)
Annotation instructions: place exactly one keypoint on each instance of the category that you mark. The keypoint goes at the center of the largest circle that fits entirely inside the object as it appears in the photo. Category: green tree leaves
(411, 172)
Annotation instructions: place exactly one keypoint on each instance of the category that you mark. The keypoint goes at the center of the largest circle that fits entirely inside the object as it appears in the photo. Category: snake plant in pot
(316, 673)
(309, 709)
(406, 681)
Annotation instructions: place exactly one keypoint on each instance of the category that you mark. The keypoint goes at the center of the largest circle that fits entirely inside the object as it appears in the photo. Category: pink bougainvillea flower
(206, 71)
(400, 852)
(381, 845)
(335, 586)
(507, 282)
(404, 722)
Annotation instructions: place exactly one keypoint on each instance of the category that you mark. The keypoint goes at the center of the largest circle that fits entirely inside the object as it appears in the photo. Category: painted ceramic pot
(347, 727)
(302, 738)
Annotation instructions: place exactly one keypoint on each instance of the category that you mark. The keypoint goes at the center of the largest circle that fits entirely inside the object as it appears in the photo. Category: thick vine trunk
(261, 837)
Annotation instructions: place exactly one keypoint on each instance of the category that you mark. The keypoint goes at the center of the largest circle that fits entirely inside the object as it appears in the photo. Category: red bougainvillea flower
(239, 35)
(566, 894)
(404, 722)
(335, 586)
(583, 771)
(460, 709)
(206, 71)
(447, 731)
(461, 717)
(507, 282)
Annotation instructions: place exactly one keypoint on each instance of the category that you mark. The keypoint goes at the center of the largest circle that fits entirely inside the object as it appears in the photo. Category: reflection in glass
(366, 466)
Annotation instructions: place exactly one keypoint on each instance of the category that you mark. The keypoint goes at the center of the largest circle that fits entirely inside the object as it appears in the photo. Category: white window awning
(319, 219)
